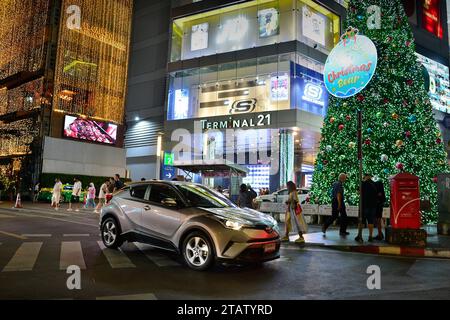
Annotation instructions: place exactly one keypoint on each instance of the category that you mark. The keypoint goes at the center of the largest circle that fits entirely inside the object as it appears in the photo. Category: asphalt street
(37, 247)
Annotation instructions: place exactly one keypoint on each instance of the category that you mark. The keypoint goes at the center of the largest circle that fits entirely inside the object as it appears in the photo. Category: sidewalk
(437, 246)
(40, 206)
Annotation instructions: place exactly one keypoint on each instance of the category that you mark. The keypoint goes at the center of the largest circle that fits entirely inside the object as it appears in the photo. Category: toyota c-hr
(197, 222)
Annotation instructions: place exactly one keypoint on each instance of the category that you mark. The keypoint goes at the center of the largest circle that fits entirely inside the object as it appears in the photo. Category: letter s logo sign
(243, 106)
(313, 91)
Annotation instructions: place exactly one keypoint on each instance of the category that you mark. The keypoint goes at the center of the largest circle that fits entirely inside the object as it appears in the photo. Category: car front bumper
(252, 252)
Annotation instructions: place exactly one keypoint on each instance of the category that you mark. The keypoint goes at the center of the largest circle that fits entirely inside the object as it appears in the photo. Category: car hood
(245, 216)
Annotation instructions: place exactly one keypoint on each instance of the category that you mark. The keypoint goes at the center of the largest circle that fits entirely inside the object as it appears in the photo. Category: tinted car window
(159, 192)
(283, 192)
(138, 192)
(202, 197)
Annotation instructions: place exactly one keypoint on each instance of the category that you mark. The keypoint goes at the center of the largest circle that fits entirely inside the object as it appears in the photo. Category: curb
(397, 251)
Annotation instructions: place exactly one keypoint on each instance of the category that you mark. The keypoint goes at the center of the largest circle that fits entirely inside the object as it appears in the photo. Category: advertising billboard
(439, 83)
(313, 25)
(90, 130)
(269, 24)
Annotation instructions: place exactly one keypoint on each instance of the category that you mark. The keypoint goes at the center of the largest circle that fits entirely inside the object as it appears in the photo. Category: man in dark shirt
(118, 184)
(380, 206)
(338, 206)
(369, 206)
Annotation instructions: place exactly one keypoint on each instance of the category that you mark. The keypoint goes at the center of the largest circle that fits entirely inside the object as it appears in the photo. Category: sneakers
(78, 210)
(285, 239)
(300, 240)
(324, 230)
(359, 239)
(97, 212)
(69, 209)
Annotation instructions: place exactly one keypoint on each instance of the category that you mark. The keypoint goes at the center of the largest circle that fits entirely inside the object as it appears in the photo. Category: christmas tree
(399, 132)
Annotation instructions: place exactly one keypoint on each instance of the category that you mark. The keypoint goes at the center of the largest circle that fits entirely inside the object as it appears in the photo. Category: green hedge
(48, 180)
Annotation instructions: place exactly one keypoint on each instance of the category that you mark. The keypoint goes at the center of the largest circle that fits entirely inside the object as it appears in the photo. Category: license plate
(271, 247)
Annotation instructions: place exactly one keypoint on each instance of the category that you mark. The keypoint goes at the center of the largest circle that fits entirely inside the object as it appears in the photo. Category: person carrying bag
(294, 213)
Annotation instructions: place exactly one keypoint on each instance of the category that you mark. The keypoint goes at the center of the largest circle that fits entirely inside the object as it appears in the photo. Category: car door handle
(146, 208)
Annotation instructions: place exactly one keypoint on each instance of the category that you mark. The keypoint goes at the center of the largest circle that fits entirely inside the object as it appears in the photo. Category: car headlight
(233, 225)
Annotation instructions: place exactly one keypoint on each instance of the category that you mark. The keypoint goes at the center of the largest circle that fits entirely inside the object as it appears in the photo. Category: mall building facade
(208, 66)
(63, 80)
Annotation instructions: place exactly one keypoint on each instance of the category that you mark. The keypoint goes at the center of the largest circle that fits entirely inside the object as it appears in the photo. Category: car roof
(173, 183)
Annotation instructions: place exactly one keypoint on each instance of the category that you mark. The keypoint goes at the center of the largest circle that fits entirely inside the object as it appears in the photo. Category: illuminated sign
(181, 104)
(313, 25)
(431, 17)
(439, 83)
(279, 88)
(350, 66)
(244, 106)
(168, 158)
(199, 37)
(313, 93)
(258, 120)
(269, 24)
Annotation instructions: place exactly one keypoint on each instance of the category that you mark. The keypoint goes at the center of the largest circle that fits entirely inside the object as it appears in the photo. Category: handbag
(302, 225)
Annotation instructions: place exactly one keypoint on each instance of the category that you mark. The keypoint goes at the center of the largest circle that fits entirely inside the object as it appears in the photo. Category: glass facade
(272, 83)
(254, 24)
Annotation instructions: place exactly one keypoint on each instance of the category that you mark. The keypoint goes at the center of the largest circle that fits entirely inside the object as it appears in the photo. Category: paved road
(36, 248)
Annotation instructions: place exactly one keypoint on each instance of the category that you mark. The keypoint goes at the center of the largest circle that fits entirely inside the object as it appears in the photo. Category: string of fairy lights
(92, 62)
(22, 35)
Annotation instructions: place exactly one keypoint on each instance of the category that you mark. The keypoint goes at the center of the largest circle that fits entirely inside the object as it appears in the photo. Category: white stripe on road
(36, 235)
(25, 257)
(157, 258)
(116, 258)
(71, 255)
(75, 235)
(145, 296)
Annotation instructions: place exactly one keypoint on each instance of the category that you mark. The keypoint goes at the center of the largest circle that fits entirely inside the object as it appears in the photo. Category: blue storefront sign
(308, 91)
(350, 66)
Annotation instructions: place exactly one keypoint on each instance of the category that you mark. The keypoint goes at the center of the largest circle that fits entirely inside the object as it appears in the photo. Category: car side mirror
(169, 202)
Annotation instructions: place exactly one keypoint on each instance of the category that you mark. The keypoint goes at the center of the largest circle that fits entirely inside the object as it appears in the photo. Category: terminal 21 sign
(250, 121)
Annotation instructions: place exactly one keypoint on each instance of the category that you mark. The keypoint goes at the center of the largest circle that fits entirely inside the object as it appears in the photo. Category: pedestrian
(102, 196)
(293, 214)
(36, 191)
(90, 203)
(56, 194)
(111, 185)
(380, 205)
(76, 194)
(143, 180)
(246, 196)
(369, 199)
(338, 206)
(118, 184)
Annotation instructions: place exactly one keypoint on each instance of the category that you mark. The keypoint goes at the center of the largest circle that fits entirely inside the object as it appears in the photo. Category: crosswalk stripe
(157, 258)
(116, 258)
(145, 296)
(25, 257)
(71, 255)
(36, 235)
(74, 235)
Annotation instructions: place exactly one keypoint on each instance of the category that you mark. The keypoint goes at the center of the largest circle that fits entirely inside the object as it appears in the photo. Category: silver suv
(197, 222)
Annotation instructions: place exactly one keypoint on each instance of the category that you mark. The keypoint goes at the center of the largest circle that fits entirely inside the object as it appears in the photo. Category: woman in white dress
(56, 194)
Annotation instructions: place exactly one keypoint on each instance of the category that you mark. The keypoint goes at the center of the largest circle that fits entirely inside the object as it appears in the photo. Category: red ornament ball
(408, 134)
(438, 141)
(435, 179)
(409, 82)
(360, 98)
(400, 166)
(408, 43)
(368, 142)
(341, 127)
(385, 100)
(348, 118)
(325, 162)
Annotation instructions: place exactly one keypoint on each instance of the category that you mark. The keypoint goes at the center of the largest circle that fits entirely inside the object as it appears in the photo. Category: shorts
(369, 215)
(102, 201)
(75, 199)
(379, 213)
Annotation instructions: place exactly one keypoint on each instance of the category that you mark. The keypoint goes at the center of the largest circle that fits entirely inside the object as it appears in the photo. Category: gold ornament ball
(395, 116)
(399, 143)
(351, 145)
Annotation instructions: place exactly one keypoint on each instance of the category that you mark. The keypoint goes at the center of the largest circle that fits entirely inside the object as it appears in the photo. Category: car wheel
(111, 234)
(198, 251)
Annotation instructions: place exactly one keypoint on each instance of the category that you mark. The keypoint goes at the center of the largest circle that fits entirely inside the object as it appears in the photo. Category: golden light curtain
(16, 137)
(92, 62)
(22, 36)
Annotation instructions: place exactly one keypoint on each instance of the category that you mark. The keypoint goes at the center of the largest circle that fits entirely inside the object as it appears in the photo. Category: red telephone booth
(405, 201)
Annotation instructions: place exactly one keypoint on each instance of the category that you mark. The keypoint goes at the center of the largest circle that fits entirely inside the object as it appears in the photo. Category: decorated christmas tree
(399, 132)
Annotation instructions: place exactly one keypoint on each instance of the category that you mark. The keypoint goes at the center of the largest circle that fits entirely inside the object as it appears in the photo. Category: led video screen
(90, 130)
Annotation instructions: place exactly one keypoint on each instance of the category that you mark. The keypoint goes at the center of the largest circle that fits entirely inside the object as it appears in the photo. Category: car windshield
(199, 196)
